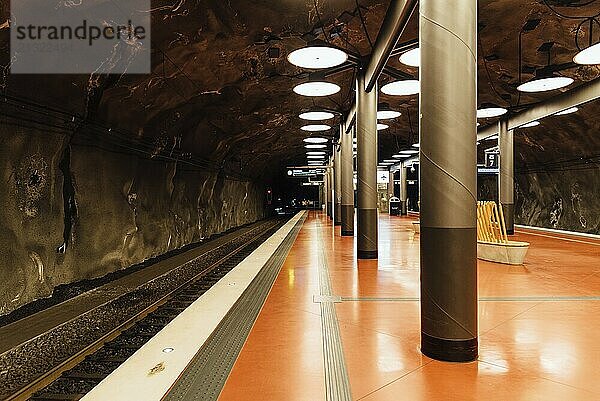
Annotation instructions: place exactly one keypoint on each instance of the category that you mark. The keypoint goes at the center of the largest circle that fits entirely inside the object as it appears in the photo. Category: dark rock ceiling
(217, 95)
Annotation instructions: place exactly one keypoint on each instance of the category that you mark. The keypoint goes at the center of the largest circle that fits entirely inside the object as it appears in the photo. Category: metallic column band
(506, 181)
(404, 190)
(347, 182)
(337, 172)
(366, 139)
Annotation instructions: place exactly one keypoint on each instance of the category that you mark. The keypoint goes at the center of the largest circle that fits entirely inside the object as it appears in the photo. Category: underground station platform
(301, 318)
(282, 200)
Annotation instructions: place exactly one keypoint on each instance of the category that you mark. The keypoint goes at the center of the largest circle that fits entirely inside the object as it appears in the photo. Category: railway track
(78, 373)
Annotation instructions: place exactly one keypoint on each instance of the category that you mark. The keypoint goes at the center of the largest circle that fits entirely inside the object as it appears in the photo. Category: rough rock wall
(564, 200)
(76, 211)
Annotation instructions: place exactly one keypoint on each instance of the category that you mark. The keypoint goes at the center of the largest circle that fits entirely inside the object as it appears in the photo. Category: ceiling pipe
(394, 23)
(404, 47)
(386, 45)
(575, 97)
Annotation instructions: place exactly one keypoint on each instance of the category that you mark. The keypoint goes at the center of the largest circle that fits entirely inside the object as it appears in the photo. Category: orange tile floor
(530, 349)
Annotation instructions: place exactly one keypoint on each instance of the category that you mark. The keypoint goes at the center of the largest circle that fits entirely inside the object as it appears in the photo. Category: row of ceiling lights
(319, 57)
(322, 56)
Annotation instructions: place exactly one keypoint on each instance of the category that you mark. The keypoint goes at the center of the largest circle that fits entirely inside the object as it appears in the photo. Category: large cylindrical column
(337, 171)
(329, 188)
(448, 175)
(404, 190)
(506, 180)
(366, 141)
(347, 163)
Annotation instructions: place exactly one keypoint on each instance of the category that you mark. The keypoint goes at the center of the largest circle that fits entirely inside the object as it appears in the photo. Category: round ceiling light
(567, 111)
(409, 152)
(387, 114)
(411, 57)
(316, 57)
(401, 88)
(382, 127)
(531, 124)
(315, 153)
(390, 161)
(314, 139)
(545, 84)
(316, 115)
(316, 127)
(399, 156)
(416, 145)
(489, 112)
(315, 146)
(315, 157)
(317, 88)
(590, 55)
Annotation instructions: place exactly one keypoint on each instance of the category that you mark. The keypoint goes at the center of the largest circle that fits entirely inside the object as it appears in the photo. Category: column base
(449, 350)
(508, 209)
(338, 214)
(347, 220)
(367, 254)
(366, 231)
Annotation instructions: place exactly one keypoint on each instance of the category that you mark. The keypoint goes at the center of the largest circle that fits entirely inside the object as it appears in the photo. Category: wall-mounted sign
(383, 177)
(491, 159)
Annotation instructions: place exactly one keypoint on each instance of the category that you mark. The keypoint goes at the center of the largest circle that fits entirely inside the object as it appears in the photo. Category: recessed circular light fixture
(315, 157)
(416, 145)
(168, 350)
(489, 112)
(567, 111)
(317, 88)
(399, 156)
(314, 139)
(402, 88)
(545, 84)
(315, 153)
(316, 115)
(316, 127)
(531, 124)
(316, 57)
(411, 57)
(409, 152)
(315, 146)
(387, 114)
(390, 161)
(588, 56)
(382, 127)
